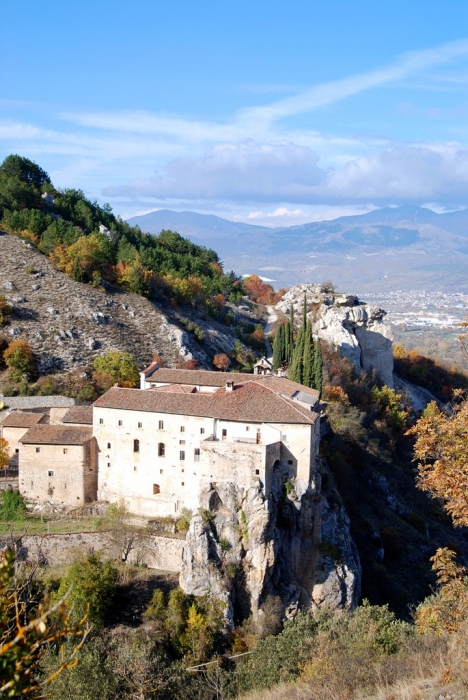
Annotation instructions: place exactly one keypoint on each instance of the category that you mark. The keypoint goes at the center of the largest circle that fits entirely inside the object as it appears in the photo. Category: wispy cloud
(407, 64)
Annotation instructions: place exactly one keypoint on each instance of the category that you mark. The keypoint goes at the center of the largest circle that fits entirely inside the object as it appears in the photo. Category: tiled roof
(22, 420)
(200, 377)
(175, 389)
(82, 415)
(57, 435)
(250, 402)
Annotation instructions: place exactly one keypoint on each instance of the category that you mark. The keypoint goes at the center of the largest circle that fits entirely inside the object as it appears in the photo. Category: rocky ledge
(358, 330)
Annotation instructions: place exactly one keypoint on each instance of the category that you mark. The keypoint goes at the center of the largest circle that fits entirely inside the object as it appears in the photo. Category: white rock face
(357, 330)
(296, 546)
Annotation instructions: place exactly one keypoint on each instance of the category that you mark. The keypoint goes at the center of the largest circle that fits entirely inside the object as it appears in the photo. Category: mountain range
(395, 248)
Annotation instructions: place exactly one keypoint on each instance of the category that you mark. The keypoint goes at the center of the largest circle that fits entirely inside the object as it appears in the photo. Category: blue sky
(267, 112)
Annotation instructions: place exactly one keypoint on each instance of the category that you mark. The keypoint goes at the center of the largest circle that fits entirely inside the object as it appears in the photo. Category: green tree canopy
(119, 366)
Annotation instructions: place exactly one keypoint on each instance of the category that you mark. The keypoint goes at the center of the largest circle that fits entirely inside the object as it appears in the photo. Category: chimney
(229, 385)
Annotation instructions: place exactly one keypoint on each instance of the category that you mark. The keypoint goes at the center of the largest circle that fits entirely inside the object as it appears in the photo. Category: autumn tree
(4, 453)
(441, 449)
(221, 362)
(19, 359)
(5, 310)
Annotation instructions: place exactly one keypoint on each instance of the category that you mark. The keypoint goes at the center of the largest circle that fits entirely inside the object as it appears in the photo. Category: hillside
(69, 323)
(401, 248)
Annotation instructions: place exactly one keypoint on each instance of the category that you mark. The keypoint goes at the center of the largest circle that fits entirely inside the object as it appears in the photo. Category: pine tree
(318, 367)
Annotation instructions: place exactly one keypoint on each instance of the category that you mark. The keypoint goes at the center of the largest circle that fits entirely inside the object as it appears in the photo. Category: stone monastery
(156, 447)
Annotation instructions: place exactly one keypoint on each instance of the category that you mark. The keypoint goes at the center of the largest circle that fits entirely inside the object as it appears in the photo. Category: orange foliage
(221, 362)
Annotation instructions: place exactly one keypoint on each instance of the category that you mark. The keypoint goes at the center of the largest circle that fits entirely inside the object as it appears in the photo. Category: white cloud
(240, 171)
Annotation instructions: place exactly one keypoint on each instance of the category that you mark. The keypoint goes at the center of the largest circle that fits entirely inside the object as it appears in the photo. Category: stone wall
(155, 551)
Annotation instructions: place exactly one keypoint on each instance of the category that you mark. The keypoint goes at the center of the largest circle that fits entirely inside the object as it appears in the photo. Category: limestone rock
(357, 330)
(252, 547)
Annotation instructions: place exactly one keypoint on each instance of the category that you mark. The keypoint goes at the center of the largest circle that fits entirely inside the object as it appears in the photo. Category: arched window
(108, 445)
(161, 449)
(136, 445)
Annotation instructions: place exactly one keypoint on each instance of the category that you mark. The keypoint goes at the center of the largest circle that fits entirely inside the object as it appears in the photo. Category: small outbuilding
(58, 464)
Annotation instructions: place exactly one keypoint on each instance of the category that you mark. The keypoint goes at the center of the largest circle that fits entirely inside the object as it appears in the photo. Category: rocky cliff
(295, 545)
(357, 330)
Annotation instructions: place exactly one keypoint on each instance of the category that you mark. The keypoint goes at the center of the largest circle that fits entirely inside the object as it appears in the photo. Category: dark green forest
(92, 245)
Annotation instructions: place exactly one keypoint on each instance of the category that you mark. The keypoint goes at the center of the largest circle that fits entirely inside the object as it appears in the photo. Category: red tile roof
(81, 415)
(253, 401)
(200, 377)
(21, 420)
(57, 435)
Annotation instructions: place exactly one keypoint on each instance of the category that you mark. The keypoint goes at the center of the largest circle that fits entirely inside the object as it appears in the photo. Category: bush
(20, 359)
(12, 506)
(93, 582)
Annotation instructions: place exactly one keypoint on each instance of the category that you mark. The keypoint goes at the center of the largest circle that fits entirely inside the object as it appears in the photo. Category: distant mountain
(406, 247)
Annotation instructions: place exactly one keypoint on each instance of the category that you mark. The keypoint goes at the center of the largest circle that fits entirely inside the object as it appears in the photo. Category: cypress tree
(296, 372)
(318, 367)
(308, 357)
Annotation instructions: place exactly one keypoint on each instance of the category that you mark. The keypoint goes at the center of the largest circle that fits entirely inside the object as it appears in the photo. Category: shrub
(12, 506)
(93, 582)
(19, 358)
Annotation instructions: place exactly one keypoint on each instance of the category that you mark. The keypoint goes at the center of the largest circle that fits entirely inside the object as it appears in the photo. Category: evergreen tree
(318, 367)
(296, 372)
(308, 357)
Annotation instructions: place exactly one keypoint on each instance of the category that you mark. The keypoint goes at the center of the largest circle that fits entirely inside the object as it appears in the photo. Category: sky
(273, 113)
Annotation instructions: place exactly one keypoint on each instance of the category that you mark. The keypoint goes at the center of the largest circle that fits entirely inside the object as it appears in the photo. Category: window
(182, 428)
(257, 472)
(120, 423)
(181, 442)
(108, 445)
(247, 428)
(136, 445)
(161, 471)
(223, 434)
(16, 451)
(140, 425)
(156, 489)
(196, 454)
(38, 449)
(182, 483)
(134, 469)
(65, 450)
(182, 455)
(161, 449)
(50, 473)
(108, 464)
(161, 425)
(101, 421)
(290, 461)
(202, 431)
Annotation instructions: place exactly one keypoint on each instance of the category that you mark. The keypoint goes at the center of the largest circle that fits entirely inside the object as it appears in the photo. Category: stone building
(58, 464)
(159, 447)
(15, 425)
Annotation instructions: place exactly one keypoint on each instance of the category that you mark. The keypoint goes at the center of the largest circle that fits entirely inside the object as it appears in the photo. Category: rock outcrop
(296, 545)
(357, 330)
